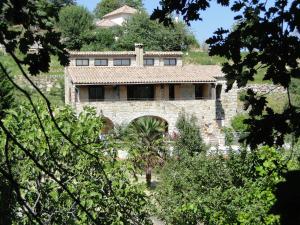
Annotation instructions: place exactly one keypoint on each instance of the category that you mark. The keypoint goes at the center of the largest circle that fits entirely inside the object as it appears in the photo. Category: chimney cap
(138, 45)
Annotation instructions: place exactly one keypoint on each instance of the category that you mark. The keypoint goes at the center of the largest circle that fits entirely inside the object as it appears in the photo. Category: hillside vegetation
(55, 67)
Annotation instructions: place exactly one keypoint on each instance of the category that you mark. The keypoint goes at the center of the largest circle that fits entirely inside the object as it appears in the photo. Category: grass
(276, 101)
(8, 62)
(202, 58)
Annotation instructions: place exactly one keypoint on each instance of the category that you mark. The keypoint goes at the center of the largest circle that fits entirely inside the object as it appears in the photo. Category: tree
(106, 6)
(62, 3)
(98, 40)
(74, 22)
(144, 138)
(262, 38)
(189, 140)
(154, 36)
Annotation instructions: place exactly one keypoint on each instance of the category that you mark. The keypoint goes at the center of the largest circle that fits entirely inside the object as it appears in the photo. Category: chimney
(139, 52)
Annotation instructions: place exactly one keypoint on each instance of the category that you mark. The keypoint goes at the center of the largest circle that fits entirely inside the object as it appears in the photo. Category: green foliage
(189, 140)
(237, 131)
(57, 93)
(6, 94)
(295, 92)
(98, 40)
(55, 68)
(61, 3)
(18, 35)
(7, 198)
(74, 22)
(212, 189)
(82, 169)
(154, 36)
(238, 123)
(106, 6)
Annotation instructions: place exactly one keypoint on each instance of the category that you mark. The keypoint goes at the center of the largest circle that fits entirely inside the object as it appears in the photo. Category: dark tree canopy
(34, 24)
(262, 38)
(74, 22)
(62, 3)
(190, 10)
(107, 6)
(154, 36)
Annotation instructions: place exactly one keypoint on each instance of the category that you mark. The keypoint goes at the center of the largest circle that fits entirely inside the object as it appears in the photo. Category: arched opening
(165, 123)
(108, 125)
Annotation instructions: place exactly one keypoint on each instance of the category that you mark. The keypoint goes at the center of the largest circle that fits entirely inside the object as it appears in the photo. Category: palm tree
(146, 142)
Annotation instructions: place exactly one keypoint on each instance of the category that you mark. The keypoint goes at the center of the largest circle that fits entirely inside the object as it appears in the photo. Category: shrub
(189, 140)
(217, 190)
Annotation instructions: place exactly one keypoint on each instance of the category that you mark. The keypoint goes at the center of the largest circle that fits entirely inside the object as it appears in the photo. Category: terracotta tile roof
(105, 23)
(124, 53)
(152, 53)
(108, 53)
(124, 9)
(143, 75)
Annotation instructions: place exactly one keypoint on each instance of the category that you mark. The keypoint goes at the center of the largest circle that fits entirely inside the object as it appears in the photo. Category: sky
(213, 18)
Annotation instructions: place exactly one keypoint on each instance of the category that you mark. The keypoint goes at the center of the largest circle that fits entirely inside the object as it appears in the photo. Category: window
(101, 62)
(171, 92)
(96, 93)
(140, 92)
(122, 62)
(199, 91)
(148, 62)
(170, 62)
(82, 62)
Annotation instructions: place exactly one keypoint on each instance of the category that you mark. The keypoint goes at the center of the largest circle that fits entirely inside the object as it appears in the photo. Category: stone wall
(43, 82)
(264, 88)
(226, 104)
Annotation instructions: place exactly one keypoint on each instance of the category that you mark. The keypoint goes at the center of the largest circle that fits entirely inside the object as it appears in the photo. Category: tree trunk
(148, 175)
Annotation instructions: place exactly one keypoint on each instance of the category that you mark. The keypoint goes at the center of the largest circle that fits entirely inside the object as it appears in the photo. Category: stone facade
(121, 112)
(212, 114)
(202, 93)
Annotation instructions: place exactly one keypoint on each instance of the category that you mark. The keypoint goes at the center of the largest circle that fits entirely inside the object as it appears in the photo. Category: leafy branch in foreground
(45, 166)
(57, 197)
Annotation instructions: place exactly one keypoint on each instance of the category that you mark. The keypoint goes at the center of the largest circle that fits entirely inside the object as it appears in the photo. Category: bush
(189, 140)
(238, 124)
(217, 190)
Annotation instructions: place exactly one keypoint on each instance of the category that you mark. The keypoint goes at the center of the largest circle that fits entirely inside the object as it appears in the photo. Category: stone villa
(124, 86)
(116, 17)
